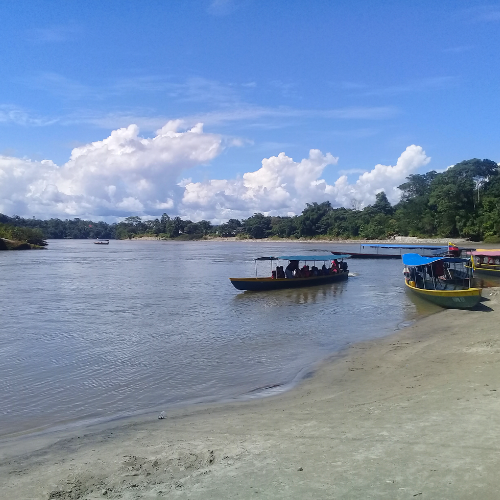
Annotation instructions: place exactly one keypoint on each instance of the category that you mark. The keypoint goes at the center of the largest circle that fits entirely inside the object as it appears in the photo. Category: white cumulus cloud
(127, 174)
(122, 174)
(282, 186)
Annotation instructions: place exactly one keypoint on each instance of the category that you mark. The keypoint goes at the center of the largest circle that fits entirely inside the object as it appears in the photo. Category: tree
(205, 227)
(417, 185)
(310, 222)
(413, 215)
(483, 169)
(192, 228)
(382, 204)
(258, 226)
(177, 224)
(229, 229)
(284, 227)
(343, 222)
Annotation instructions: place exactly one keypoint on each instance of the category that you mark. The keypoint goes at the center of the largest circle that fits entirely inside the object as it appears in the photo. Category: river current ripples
(91, 332)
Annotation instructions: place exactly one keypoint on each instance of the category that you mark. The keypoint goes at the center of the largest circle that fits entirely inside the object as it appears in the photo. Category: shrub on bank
(20, 238)
(492, 239)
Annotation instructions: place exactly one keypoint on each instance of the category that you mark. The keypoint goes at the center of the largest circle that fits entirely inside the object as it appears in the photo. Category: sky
(217, 109)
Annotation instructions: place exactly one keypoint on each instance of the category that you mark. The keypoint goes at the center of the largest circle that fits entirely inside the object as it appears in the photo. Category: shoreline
(402, 240)
(51, 433)
(6, 244)
(410, 414)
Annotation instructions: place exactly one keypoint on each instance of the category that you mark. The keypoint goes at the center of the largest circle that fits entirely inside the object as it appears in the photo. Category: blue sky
(361, 80)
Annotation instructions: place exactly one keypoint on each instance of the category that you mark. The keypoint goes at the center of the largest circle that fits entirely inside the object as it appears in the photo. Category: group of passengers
(294, 271)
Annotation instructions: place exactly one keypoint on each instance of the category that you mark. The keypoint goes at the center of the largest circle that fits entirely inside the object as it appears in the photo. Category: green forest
(19, 237)
(463, 201)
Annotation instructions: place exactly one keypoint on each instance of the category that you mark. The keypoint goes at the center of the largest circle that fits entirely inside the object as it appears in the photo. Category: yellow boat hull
(450, 299)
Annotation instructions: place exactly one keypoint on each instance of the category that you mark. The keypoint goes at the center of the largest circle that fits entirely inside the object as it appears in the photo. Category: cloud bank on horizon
(126, 174)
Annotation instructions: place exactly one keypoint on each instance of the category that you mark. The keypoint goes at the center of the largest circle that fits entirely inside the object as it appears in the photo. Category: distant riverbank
(6, 244)
(403, 240)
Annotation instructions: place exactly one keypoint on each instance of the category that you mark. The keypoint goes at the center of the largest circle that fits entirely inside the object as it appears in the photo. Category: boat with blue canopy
(394, 251)
(298, 272)
(445, 281)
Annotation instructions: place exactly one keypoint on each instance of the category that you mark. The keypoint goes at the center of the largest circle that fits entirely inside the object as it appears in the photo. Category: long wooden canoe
(263, 284)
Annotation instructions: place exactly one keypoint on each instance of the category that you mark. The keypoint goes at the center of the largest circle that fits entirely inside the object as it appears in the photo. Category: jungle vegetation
(463, 201)
(19, 237)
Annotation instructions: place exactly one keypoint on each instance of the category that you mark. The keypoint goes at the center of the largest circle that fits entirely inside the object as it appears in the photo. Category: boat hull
(355, 255)
(487, 271)
(264, 284)
(450, 299)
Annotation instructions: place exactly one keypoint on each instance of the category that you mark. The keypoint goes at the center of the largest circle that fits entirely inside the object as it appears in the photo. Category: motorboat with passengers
(302, 270)
(445, 281)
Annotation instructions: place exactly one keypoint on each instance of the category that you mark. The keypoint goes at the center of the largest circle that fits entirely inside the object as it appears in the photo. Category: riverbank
(398, 240)
(6, 244)
(410, 415)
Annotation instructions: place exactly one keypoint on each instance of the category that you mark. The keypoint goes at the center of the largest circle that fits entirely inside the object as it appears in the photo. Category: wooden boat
(101, 242)
(383, 251)
(281, 279)
(444, 281)
(393, 251)
(486, 262)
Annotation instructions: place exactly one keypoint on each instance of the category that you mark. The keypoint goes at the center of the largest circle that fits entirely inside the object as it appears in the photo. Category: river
(94, 332)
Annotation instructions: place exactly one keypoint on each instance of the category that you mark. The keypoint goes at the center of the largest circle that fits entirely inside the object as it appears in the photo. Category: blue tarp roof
(305, 257)
(414, 259)
(313, 257)
(424, 247)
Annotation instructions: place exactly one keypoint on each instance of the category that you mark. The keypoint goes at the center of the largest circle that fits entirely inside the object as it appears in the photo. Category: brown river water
(90, 333)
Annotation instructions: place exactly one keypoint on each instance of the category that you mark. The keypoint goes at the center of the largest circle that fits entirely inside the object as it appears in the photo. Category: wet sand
(413, 415)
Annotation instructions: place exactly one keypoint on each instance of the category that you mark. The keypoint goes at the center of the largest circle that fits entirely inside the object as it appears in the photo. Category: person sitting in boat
(314, 271)
(293, 265)
(335, 266)
(305, 271)
(406, 273)
(324, 270)
(438, 269)
(413, 274)
(419, 278)
(280, 274)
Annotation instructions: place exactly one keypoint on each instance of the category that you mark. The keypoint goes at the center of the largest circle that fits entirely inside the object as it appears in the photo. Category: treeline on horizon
(463, 201)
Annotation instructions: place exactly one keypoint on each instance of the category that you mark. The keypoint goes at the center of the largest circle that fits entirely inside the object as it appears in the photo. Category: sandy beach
(412, 415)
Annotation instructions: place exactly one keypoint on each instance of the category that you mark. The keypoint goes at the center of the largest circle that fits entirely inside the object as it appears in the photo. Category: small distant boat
(486, 262)
(334, 269)
(444, 281)
(101, 242)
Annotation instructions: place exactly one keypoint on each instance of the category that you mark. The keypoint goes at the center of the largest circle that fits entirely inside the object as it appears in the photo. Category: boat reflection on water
(422, 307)
(287, 296)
